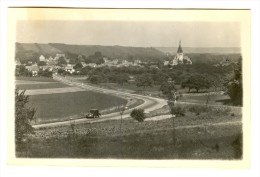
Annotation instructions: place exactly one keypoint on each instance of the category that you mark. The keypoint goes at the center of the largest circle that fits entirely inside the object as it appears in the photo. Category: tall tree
(196, 82)
(24, 115)
(144, 80)
(235, 85)
(62, 61)
(168, 89)
(78, 66)
(97, 58)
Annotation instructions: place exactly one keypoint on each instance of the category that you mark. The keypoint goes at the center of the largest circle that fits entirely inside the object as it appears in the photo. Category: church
(179, 58)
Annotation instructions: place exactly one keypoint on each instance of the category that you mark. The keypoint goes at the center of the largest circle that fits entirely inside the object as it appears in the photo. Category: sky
(129, 33)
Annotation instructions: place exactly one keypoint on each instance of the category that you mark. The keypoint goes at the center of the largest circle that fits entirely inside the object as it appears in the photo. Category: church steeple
(179, 49)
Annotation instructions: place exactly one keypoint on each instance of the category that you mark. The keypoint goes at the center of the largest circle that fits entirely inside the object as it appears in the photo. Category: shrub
(221, 110)
(198, 109)
(216, 110)
(178, 110)
(138, 114)
(23, 116)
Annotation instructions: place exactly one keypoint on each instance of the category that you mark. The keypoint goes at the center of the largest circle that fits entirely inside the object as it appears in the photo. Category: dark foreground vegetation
(205, 134)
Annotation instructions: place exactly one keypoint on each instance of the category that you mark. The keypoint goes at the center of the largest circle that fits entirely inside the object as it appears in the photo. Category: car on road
(93, 113)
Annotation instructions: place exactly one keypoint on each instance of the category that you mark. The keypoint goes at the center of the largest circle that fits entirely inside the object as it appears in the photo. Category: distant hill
(212, 50)
(32, 51)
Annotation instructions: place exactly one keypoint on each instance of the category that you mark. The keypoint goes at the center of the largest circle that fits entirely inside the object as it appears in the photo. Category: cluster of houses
(52, 64)
(224, 62)
(122, 63)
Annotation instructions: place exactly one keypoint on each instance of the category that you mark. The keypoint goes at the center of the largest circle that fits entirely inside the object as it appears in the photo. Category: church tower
(180, 53)
(180, 58)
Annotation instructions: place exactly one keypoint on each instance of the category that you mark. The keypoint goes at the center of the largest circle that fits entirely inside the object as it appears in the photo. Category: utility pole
(121, 111)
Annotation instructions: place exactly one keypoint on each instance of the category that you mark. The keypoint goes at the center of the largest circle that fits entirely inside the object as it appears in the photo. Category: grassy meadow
(41, 86)
(203, 136)
(59, 107)
(55, 107)
(36, 79)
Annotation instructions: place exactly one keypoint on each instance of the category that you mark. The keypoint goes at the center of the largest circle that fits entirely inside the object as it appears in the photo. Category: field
(63, 106)
(41, 86)
(213, 99)
(55, 101)
(36, 79)
(205, 136)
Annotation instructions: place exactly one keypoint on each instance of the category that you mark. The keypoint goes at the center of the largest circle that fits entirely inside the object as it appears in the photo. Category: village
(61, 62)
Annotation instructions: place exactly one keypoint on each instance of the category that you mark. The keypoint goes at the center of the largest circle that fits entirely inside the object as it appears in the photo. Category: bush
(178, 110)
(138, 114)
(216, 110)
(221, 110)
(198, 109)
(23, 116)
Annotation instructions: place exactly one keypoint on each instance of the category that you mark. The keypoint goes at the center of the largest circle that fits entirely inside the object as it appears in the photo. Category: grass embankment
(37, 79)
(41, 86)
(212, 99)
(197, 137)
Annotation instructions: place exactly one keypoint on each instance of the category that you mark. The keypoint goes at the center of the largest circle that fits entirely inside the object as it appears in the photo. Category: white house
(69, 68)
(42, 58)
(34, 69)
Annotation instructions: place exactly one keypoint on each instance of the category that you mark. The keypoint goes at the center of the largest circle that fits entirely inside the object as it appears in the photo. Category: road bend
(149, 103)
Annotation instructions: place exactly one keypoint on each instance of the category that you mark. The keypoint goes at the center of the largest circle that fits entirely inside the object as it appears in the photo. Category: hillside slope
(32, 51)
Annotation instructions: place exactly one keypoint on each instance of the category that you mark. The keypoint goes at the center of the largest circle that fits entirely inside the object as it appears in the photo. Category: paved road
(149, 104)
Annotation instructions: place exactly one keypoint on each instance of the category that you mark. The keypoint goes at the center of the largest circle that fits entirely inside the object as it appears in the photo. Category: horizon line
(125, 45)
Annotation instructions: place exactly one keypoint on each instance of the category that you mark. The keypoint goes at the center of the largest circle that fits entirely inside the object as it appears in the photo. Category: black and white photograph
(128, 89)
(130, 84)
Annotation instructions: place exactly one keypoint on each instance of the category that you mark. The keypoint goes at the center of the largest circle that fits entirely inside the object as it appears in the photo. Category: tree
(216, 81)
(79, 59)
(61, 71)
(159, 77)
(144, 80)
(24, 115)
(168, 89)
(88, 60)
(78, 66)
(121, 111)
(95, 79)
(138, 114)
(235, 86)
(61, 61)
(22, 71)
(41, 63)
(96, 58)
(45, 73)
(196, 82)
(121, 78)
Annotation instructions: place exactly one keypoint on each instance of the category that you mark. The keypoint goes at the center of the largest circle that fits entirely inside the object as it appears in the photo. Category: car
(93, 113)
(89, 115)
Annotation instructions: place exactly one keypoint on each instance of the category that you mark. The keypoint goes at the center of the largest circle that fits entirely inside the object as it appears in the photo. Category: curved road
(150, 103)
